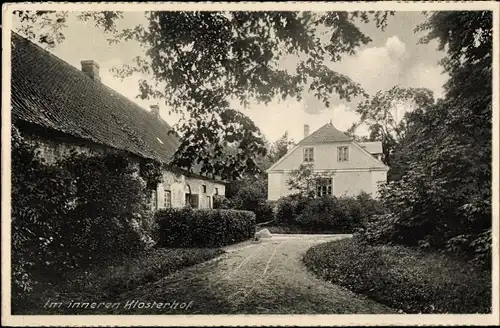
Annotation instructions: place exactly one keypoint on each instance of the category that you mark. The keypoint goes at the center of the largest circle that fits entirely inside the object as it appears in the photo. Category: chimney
(155, 110)
(91, 68)
(306, 130)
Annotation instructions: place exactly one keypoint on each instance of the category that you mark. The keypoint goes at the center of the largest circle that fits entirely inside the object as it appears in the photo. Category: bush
(78, 211)
(249, 195)
(186, 227)
(288, 208)
(403, 278)
(343, 214)
(434, 213)
(111, 208)
(41, 200)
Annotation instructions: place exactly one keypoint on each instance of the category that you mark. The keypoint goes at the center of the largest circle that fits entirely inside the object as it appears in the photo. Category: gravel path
(266, 277)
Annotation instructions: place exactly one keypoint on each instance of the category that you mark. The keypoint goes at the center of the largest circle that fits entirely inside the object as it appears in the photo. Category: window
(192, 200)
(343, 154)
(204, 189)
(216, 191)
(167, 198)
(308, 155)
(324, 187)
(154, 200)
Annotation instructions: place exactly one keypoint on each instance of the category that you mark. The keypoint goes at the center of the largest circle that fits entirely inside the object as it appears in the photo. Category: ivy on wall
(79, 210)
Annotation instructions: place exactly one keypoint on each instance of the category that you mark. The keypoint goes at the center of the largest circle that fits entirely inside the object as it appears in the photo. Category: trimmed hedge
(403, 278)
(186, 227)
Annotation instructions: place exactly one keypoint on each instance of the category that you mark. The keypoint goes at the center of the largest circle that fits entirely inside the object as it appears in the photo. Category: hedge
(403, 278)
(343, 214)
(186, 227)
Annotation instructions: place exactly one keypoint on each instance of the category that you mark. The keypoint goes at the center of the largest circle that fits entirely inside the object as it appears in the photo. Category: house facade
(349, 167)
(63, 108)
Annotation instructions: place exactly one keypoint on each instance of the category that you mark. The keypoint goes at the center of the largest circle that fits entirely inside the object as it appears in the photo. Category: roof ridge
(319, 136)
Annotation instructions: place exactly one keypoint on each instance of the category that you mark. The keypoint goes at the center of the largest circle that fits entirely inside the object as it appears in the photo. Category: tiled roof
(51, 93)
(326, 134)
(373, 147)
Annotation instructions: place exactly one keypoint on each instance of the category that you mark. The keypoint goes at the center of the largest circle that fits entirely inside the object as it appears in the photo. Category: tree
(379, 112)
(280, 147)
(201, 61)
(304, 180)
(444, 200)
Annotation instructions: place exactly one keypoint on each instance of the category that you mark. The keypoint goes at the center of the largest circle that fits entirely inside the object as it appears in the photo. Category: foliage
(41, 199)
(250, 195)
(288, 208)
(443, 201)
(151, 171)
(111, 207)
(305, 179)
(64, 215)
(47, 26)
(198, 74)
(405, 279)
(380, 114)
(185, 227)
(109, 279)
(279, 148)
(343, 214)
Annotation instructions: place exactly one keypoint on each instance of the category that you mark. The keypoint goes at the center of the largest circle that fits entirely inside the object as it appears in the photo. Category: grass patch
(104, 282)
(405, 279)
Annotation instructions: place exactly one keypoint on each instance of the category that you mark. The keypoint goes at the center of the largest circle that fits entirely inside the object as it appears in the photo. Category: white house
(355, 166)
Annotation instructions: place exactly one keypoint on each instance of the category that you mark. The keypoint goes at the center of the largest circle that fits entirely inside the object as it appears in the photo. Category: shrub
(403, 278)
(80, 210)
(41, 199)
(249, 195)
(111, 208)
(288, 208)
(327, 213)
(434, 213)
(186, 227)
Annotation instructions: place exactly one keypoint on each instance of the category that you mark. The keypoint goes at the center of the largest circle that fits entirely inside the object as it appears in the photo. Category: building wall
(325, 158)
(178, 184)
(345, 183)
(362, 172)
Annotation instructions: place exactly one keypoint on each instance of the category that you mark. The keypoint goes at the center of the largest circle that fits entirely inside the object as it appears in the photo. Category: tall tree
(200, 61)
(379, 113)
(280, 147)
(444, 200)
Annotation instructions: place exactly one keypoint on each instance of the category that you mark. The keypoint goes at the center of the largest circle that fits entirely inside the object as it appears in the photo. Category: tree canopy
(443, 199)
(201, 63)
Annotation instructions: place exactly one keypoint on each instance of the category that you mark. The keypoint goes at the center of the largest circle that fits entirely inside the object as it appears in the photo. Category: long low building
(62, 108)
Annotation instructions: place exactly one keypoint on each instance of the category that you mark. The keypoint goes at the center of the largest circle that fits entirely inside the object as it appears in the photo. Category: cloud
(377, 68)
(395, 47)
(423, 75)
(281, 116)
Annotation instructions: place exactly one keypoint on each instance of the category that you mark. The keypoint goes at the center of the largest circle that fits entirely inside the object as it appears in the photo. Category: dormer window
(343, 154)
(308, 155)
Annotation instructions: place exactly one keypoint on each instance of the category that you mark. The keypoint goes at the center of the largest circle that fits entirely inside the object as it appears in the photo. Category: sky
(392, 58)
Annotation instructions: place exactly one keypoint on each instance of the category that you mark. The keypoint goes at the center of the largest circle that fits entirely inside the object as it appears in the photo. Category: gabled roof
(326, 134)
(51, 93)
(329, 134)
(373, 147)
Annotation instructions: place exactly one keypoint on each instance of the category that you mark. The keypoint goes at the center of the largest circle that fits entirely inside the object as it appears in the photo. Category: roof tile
(51, 93)
(326, 134)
